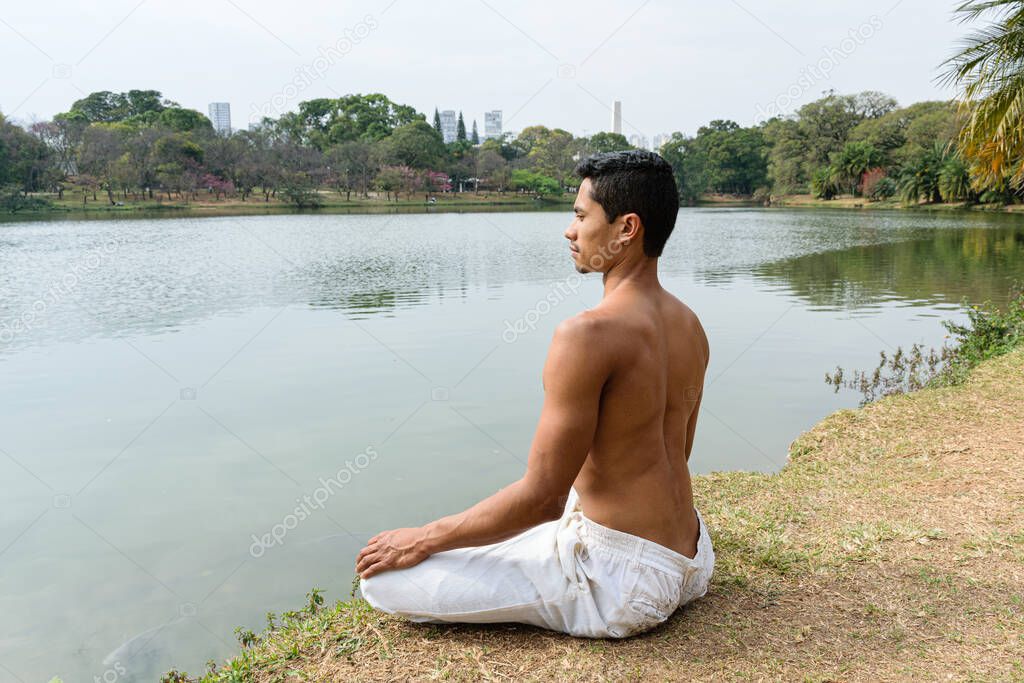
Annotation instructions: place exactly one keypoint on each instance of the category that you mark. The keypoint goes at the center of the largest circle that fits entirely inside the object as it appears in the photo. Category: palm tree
(919, 179)
(825, 182)
(955, 180)
(856, 159)
(989, 72)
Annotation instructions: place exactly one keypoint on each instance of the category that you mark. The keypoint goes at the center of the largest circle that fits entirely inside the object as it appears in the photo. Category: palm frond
(969, 11)
(989, 73)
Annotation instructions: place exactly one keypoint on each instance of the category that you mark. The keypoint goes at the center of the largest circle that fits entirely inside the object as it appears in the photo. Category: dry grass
(890, 548)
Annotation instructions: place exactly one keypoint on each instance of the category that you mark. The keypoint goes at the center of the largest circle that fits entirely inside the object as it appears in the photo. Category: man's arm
(577, 366)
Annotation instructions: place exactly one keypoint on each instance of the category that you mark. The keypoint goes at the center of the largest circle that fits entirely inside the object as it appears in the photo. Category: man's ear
(631, 227)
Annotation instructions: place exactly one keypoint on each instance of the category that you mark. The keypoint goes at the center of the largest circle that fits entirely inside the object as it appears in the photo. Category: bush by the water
(12, 200)
(989, 332)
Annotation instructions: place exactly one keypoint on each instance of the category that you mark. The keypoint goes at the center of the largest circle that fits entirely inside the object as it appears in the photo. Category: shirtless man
(600, 537)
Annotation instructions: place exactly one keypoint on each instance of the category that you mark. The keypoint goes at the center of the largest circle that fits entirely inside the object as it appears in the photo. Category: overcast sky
(674, 64)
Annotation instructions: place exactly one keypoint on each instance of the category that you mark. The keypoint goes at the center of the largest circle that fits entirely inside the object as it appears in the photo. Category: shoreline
(255, 205)
(891, 545)
(464, 202)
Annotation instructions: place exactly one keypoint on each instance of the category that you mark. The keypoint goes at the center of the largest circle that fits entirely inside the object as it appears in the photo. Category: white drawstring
(571, 550)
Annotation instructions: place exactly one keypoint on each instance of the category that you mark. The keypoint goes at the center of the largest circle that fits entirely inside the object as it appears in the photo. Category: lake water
(201, 419)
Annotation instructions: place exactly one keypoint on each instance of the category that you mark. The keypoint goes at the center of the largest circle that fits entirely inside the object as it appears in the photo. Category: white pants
(571, 575)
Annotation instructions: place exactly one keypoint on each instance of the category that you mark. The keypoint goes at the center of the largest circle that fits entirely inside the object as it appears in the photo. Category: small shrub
(301, 197)
(314, 600)
(883, 188)
(246, 638)
(1000, 196)
(870, 179)
(12, 200)
(825, 183)
(988, 333)
(896, 374)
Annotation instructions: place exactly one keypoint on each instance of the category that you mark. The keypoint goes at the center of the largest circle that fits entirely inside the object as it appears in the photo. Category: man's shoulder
(615, 331)
(587, 326)
(680, 307)
(684, 316)
(580, 347)
(590, 331)
(690, 327)
(602, 335)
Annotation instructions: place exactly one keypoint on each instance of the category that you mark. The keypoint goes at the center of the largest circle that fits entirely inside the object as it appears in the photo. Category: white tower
(617, 117)
(449, 124)
(492, 124)
(220, 117)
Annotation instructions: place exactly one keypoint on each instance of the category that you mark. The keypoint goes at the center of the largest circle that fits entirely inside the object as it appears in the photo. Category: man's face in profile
(590, 234)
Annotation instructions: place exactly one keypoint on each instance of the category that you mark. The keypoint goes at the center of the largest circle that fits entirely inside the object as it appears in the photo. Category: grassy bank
(208, 204)
(890, 547)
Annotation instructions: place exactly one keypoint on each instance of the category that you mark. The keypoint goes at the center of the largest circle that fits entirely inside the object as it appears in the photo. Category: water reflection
(364, 305)
(946, 267)
(152, 277)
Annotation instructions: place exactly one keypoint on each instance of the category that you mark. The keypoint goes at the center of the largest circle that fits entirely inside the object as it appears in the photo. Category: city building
(492, 124)
(638, 141)
(658, 140)
(617, 117)
(220, 117)
(449, 125)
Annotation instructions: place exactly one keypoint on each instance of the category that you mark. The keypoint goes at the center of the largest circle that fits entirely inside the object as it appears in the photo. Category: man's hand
(395, 549)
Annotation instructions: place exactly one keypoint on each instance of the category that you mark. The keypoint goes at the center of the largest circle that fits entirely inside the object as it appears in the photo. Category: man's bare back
(636, 478)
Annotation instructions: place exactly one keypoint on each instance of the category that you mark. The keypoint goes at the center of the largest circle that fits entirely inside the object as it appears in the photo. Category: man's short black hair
(635, 181)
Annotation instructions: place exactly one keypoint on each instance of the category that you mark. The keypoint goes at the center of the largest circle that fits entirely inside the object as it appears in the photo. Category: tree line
(139, 144)
(967, 150)
(115, 146)
(863, 145)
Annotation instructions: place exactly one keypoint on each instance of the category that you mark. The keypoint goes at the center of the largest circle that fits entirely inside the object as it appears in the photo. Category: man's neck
(634, 271)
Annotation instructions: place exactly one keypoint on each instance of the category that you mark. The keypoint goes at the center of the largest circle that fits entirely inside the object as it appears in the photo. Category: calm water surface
(201, 419)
